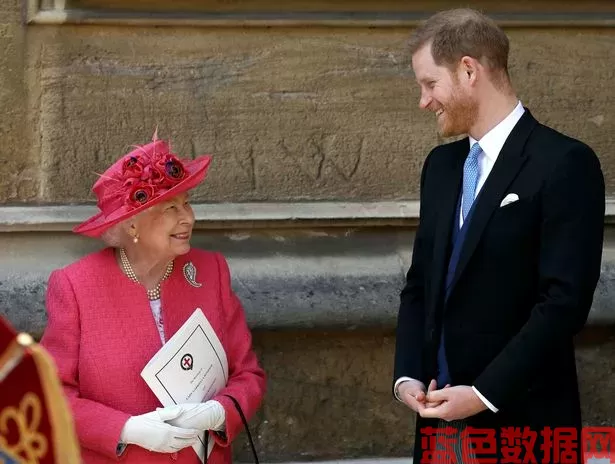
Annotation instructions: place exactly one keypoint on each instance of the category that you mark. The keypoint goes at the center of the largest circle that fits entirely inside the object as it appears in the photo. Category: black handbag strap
(245, 424)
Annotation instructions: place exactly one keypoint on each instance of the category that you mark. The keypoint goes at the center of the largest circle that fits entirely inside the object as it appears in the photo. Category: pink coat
(101, 333)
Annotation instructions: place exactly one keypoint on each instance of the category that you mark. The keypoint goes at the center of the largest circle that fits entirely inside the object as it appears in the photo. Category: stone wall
(322, 303)
(288, 113)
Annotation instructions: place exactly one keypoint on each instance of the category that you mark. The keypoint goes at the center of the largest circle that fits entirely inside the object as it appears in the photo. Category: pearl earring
(135, 239)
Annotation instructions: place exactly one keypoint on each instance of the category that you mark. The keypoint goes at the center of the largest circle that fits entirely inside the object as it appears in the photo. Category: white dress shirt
(491, 144)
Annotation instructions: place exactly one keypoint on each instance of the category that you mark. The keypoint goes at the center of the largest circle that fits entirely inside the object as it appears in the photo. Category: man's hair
(461, 32)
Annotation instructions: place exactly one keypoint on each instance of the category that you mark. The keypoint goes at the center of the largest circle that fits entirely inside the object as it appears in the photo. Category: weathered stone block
(329, 397)
(18, 164)
(571, 98)
(323, 308)
(342, 280)
(288, 114)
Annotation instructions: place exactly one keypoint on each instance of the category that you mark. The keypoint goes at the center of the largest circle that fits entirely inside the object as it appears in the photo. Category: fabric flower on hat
(153, 176)
(147, 177)
(171, 168)
(132, 167)
(140, 193)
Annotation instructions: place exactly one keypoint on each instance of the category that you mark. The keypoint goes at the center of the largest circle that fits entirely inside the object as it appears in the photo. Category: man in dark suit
(505, 262)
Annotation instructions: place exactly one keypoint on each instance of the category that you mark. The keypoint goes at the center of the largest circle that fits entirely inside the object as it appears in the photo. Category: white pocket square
(508, 199)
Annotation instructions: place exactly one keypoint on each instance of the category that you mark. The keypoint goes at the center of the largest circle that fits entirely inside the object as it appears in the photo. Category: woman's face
(164, 230)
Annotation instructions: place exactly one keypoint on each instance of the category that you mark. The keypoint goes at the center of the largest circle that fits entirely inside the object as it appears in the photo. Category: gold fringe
(65, 441)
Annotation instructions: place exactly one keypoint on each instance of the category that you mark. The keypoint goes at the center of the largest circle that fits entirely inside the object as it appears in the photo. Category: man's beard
(459, 116)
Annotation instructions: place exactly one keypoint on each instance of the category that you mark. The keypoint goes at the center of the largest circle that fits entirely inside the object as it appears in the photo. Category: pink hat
(140, 179)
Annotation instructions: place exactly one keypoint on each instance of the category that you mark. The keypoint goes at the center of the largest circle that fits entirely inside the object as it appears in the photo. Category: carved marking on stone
(247, 163)
(18, 180)
(597, 120)
(343, 156)
(99, 155)
(193, 150)
(309, 157)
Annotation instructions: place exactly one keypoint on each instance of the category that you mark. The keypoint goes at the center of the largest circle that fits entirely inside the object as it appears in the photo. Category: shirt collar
(493, 141)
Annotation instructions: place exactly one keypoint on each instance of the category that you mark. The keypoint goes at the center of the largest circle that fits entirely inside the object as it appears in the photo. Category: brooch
(190, 274)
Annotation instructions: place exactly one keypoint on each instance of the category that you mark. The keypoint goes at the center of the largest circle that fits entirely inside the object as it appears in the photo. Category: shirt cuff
(484, 400)
(398, 382)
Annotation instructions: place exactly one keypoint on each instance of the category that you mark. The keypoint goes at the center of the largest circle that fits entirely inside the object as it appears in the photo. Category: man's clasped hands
(448, 403)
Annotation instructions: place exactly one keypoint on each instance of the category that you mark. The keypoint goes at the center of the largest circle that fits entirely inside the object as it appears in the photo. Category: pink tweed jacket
(101, 333)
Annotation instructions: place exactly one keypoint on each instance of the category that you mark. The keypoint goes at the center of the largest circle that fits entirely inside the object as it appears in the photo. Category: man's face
(443, 93)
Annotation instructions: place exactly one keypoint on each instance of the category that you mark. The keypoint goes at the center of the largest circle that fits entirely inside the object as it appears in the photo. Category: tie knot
(475, 151)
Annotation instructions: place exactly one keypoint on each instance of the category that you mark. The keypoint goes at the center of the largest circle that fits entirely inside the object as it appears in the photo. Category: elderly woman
(111, 311)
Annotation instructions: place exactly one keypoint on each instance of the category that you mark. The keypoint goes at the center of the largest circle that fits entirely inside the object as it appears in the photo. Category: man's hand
(455, 403)
(412, 393)
(433, 386)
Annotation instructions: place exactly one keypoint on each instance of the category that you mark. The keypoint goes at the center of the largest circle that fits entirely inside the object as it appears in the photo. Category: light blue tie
(471, 171)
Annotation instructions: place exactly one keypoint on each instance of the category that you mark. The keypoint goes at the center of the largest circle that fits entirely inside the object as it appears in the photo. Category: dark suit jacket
(524, 283)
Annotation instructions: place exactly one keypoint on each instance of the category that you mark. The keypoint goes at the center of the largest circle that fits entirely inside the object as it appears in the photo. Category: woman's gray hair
(115, 235)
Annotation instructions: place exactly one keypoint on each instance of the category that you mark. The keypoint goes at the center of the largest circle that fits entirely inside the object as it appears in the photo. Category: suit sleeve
(411, 315)
(571, 235)
(98, 426)
(246, 381)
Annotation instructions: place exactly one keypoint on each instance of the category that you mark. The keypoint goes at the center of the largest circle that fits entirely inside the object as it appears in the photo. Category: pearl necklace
(153, 294)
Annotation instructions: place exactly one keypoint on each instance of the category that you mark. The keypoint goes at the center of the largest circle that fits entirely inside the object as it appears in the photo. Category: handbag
(245, 424)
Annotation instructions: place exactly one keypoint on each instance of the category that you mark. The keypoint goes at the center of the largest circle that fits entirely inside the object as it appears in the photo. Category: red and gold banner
(35, 422)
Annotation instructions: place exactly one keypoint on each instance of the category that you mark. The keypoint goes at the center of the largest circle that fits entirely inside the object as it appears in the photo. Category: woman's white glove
(202, 416)
(152, 432)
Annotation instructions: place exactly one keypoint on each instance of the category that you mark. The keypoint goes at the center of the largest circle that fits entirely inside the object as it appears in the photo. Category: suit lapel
(450, 189)
(508, 164)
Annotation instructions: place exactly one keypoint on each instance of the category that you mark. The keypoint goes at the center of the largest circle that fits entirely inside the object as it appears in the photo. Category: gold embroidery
(32, 444)
(63, 438)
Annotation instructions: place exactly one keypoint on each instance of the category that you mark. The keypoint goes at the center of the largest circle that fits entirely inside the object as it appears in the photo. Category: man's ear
(469, 68)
